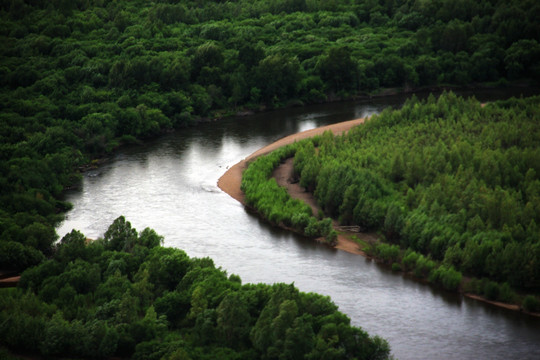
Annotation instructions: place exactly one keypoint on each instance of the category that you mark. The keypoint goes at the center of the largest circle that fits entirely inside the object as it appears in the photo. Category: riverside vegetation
(453, 187)
(79, 78)
(127, 296)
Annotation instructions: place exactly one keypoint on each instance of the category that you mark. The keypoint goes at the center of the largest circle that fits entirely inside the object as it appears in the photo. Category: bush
(409, 260)
(448, 277)
(396, 267)
(531, 303)
(312, 229)
(424, 267)
(491, 290)
(506, 294)
(331, 237)
(388, 253)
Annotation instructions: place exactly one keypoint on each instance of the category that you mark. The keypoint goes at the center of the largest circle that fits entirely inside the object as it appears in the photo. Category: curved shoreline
(231, 181)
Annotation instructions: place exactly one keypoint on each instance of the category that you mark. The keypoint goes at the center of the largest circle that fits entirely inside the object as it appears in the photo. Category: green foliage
(531, 303)
(275, 204)
(79, 79)
(120, 236)
(448, 179)
(90, 301)
(387, 253)
(448, 277)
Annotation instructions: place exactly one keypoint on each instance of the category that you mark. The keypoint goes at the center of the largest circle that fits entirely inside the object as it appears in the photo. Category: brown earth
(9, 278)
(230, 181)
(9, 282)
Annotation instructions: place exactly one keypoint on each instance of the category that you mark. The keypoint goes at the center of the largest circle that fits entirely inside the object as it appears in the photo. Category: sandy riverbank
(230, 181)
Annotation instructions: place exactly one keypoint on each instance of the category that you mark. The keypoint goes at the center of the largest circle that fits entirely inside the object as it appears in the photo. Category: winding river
(169, 184)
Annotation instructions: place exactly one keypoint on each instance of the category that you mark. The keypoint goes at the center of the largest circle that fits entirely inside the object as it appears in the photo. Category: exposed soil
(230, 181)
(9, 278)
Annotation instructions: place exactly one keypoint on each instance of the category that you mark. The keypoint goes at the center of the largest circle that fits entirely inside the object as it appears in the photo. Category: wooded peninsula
(447, 182)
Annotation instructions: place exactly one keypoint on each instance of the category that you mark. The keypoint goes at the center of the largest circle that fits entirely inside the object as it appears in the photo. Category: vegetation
(454, 182)
(125, 295)
(274, 203)
(451, 185)
(78, 78)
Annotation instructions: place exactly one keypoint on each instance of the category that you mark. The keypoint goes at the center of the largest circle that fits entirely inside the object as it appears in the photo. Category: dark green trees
(338, 69)
(77, 80)
(127, 296)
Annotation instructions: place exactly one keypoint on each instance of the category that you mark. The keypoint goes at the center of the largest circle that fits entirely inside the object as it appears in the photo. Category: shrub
(506, 294)
(424, 267)
(409, 260)
(531, 303)
(491, 290)
(312, 229)
(388, 253)
(331, 237)
(448, 277)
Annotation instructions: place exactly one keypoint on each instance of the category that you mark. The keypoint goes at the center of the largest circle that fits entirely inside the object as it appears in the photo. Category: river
(169, 184)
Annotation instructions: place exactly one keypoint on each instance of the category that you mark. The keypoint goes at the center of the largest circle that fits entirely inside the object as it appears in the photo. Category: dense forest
(125, 295)
(78, 78)
(453, 187)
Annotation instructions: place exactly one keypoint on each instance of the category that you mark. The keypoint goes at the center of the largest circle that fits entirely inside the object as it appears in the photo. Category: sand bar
(230, 181)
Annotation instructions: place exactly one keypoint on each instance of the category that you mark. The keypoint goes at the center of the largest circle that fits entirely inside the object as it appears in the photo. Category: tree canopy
(127, 296)
(444, 177)
(451, 185)
(79, 78)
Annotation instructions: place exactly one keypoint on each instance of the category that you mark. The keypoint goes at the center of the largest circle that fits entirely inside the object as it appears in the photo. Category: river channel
(170, 185)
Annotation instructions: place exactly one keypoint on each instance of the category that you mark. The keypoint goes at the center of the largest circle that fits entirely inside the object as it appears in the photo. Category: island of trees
(453, 187)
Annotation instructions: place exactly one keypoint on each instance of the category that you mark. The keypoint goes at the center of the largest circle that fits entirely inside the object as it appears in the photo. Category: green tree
(339, 69)
(233, 320)
(120, 236)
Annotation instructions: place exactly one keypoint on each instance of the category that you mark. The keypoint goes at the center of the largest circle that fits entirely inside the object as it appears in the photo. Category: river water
(169, 184)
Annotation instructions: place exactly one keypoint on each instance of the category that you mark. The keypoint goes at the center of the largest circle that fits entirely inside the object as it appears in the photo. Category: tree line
(124, 295)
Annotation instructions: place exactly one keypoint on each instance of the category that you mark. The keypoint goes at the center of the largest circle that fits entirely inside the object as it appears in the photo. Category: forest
(127, 296)
(80, 78)
(452, 186)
